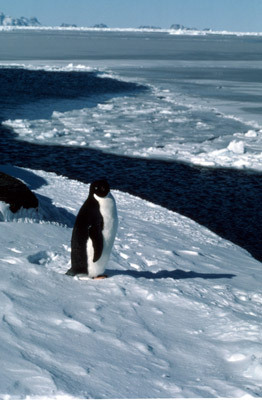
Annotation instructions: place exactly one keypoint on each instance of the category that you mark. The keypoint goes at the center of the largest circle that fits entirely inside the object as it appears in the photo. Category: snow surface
(179, 315)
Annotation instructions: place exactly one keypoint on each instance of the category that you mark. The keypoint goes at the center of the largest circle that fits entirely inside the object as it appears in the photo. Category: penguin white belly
(109, 213)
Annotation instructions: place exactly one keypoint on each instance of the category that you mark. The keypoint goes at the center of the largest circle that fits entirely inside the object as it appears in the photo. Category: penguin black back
(15, 193)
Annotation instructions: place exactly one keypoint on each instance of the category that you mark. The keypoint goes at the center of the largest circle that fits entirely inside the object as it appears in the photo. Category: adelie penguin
(16, 199)
(94, 232)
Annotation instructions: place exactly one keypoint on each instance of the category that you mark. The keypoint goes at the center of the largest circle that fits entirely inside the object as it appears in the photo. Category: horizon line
(173, 31)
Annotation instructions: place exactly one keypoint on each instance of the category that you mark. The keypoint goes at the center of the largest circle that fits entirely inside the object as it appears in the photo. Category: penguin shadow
(51, 213)
(176, 274)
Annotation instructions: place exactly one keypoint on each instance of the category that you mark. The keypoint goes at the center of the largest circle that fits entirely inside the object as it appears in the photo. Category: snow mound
(23, 214)
(179, 315)
(237, 147)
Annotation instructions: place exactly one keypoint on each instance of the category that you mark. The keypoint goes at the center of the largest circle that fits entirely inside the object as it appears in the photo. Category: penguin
(94, 232)
(16, 199)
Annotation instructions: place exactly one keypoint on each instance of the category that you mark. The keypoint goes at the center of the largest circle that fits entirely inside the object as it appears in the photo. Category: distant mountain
(100, 26)
(149, 27)
(65, 25)
(22, 21)
(184, 28)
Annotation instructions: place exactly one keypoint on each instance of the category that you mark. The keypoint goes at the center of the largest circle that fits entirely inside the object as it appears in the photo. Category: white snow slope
(170, 321)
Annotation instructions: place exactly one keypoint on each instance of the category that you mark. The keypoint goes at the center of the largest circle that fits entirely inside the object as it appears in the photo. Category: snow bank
(178, 32)
(179, 315)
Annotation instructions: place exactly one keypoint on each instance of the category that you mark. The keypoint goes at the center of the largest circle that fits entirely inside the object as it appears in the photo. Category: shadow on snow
(176, 274)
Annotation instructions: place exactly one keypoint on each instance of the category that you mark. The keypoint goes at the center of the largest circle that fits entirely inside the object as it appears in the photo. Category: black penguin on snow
(94, 232)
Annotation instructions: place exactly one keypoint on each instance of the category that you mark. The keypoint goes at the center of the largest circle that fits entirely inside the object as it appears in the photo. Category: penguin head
(100, 188)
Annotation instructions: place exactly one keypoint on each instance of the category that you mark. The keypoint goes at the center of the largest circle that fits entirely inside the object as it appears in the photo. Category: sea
(170, 116)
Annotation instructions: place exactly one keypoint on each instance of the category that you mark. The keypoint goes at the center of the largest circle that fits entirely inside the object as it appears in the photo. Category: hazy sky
(234, 15)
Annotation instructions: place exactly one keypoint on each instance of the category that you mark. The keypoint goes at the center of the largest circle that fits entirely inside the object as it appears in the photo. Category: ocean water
(174, 119)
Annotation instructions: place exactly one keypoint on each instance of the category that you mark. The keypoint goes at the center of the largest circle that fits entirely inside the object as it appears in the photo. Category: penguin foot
(70, 272)
(104, 276)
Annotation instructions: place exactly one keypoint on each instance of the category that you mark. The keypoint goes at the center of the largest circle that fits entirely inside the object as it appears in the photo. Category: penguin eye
(96, 188)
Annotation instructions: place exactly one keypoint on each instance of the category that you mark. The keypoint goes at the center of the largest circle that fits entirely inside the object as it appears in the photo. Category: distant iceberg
(22, 21)
(103, 26)
(10, 23)
(150, 27)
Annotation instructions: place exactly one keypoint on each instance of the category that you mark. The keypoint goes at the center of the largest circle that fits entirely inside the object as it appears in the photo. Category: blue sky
(234, 15)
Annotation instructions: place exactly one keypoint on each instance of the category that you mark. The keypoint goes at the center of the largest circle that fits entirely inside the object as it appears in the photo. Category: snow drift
(179, 315)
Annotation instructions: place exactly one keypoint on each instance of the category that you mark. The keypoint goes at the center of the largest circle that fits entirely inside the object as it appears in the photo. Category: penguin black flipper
(95, 234)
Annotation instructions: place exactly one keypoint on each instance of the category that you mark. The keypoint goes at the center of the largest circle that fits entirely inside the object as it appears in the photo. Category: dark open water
(227, 201)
